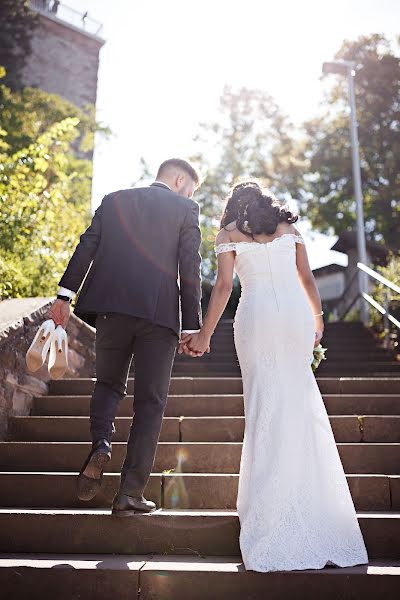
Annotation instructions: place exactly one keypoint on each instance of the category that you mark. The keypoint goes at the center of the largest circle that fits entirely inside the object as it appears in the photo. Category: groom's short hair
(180, 164)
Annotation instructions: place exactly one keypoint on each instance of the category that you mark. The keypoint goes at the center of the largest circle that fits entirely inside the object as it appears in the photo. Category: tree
(39, 220)
(45, 188)
(27, 113)
(326, 193)
(17, 26)
(251, 139)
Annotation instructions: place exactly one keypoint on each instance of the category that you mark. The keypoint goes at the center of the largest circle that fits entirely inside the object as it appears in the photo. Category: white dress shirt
(66, 292)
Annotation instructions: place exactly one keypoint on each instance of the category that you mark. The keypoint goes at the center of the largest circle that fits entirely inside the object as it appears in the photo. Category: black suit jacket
(139, 240)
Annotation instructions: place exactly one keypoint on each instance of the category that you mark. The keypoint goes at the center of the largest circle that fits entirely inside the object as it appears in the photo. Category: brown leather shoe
(126, 506)
(91, 475)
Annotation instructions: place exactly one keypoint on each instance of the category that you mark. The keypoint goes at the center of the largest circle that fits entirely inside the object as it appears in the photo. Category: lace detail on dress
(298, 238)
(231, 246)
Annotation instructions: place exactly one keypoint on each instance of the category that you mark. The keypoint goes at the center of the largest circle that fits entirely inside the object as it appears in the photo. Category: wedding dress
(294, 504)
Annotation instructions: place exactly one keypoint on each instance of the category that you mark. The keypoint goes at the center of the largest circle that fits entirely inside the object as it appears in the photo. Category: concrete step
(219, 405)
(371, 369)
(189, 457)
(359, 367)
(72, 577)
(346, 428)
(363, 333)
(337, 365)
(165, 531)
(227, 356)
(127, 576)
(323, 373)
(207, 370)
(337, 345)
(175, 490)
(233, 385)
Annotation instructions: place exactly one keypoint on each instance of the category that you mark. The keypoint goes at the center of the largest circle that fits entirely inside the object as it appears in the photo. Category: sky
(164, 65)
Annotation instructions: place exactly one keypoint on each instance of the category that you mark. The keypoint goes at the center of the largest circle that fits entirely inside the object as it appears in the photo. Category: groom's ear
(180, 180)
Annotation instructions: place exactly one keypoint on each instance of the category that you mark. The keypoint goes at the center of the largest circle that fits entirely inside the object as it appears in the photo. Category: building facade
(65, 53)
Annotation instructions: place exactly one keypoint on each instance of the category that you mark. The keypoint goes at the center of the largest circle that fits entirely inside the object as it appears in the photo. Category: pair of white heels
(49, 340)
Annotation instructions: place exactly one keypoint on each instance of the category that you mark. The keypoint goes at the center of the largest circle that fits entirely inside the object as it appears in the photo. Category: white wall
(330, 285)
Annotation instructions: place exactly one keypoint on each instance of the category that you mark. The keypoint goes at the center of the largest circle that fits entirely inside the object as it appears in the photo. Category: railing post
(386, 324)
(361, 245)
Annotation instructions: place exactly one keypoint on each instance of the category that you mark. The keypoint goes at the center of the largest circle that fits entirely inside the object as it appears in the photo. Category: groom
(140, 241)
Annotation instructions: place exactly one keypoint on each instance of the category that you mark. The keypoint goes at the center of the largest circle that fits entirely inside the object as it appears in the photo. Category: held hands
(194, 344)
(60, 312)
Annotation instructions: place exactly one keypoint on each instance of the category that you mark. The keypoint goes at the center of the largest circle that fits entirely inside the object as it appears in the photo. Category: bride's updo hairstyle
(256, 212)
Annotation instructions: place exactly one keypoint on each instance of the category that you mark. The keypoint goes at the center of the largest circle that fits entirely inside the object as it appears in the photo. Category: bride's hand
(319, 330)
(199, 343)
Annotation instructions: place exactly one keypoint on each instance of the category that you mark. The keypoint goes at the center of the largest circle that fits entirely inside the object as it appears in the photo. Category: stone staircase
(352, 351)
(54, 546)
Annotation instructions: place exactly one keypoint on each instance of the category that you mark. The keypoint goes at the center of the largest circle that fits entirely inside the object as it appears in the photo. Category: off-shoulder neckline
(296, 235)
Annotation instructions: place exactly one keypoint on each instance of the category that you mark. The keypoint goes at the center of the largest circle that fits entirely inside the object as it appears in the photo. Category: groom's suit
(140, 240)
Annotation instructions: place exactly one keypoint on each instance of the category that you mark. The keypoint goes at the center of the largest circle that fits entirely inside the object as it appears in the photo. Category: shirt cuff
(66, 292)
(190, 330)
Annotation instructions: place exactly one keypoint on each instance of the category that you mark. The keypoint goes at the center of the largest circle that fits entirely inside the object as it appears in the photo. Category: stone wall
(64, 61)
(19, 320)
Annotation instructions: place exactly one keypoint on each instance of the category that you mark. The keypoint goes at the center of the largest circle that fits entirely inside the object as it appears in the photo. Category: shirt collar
(162, 183)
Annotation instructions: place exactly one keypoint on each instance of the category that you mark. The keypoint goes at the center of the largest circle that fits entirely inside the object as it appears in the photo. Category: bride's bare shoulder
(223, 237)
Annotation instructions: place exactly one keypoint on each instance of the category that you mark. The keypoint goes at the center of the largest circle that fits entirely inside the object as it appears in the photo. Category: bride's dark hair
(254, 211)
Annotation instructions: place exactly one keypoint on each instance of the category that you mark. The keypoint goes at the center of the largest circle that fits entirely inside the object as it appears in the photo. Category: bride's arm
(307, 280)
(219, 298)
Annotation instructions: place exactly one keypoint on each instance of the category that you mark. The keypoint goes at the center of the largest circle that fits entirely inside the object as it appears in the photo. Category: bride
(294, 504)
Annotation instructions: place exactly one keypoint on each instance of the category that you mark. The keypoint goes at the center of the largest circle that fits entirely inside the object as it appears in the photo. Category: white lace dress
(294, 504)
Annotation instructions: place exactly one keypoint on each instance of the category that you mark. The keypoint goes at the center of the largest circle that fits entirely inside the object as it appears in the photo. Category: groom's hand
(60, 311)
(183, 348)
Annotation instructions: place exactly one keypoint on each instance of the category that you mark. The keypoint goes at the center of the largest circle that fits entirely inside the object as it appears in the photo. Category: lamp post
(345, 67)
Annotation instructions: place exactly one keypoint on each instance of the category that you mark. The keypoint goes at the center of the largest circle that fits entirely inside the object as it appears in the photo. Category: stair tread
(172, 418)
(176, 562)
(158, 474)
(85, 443)
(172, 512)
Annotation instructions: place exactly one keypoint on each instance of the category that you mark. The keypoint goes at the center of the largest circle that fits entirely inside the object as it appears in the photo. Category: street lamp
(346, 67)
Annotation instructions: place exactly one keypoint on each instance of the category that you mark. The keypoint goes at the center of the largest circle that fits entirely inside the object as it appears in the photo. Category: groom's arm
(189, 269)
(83, 255)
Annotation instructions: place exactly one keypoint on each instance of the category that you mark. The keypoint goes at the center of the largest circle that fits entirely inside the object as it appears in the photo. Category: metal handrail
(379, 277)
(384, 310)
(58, 9)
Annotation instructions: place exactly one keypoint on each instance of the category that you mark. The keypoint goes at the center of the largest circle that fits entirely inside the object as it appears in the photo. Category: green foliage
(17, 26)
(384, 295)
(251, 139)
(45, 187)
(326, 193)
(27, 113)
(39, 225)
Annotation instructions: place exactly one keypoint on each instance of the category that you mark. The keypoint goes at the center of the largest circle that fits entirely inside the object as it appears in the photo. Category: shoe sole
(34, 359)
(60, 365)
(89, 485)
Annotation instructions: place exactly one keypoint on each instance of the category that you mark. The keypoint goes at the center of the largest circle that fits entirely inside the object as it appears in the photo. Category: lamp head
(338, 67)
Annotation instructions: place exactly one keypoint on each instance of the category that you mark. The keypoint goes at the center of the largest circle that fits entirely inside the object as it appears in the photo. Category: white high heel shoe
(37, 351)
(58, 357)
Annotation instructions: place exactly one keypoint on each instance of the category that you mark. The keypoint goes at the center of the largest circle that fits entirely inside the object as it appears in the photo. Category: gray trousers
(119, 338)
